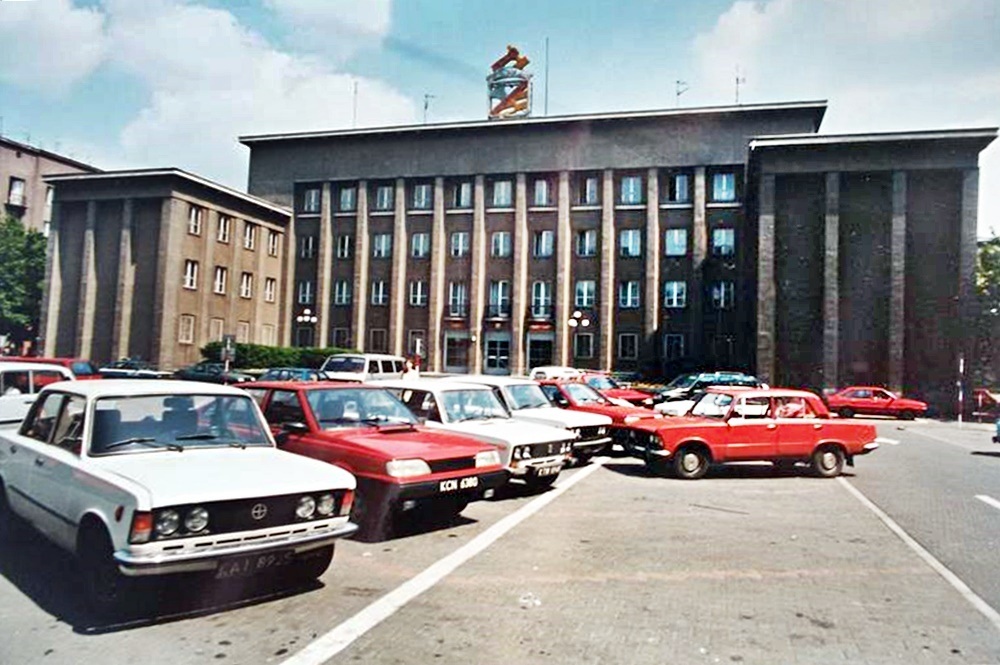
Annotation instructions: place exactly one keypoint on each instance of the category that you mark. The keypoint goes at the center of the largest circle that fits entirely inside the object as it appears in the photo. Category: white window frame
(249, 236)
(459, 244)
(342, 292)
(495, 358)
(224, 230)
(503, 194)
(348, 199)
(463, 195)
(543, 244)
(674, 294)
(420, 245)
(246, 285)
(585, 293)
(500, 296)
(586, 239)
(458, 298)
(16, 193)
(724, 241)
(577, 338)
(630, 243)
(345, 245)
(216, 329)
(242, 332)
(384, 195)
(191, 274)
(628, 294)
(590, 193)
(635, 346)
(311, 199)
(272, 243)
(267, 334)
(500, 244)
(307, 247)
(540, 195)
(382, 246)
(411, 338)
(270, 286)
(196, 215)
(541, 299)
(630, 192)
(723, 294)
(305, 296)
(423, 196)
(221, 280)
(380, 294)
(185, 328)
(723, 187)
(680, 188)
(675, 239)
(418, 293)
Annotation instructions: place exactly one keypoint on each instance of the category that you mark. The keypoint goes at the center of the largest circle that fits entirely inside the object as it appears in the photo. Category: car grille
(591, 433)
(545, 449)
(457, 464)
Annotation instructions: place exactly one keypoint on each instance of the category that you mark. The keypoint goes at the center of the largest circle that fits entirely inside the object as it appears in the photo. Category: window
(342, 338)
(631, 190)
(586, 242)
(242, 332)
(185, 329)
(675, 294)
(382, 245)
(723, 187)
(458, 298)
(348, 199)
(499, 298)
(586, 291)
(628, 295)
(270, 286)
(541, 300)
(628, 346)
(267, 334)
(305, 292)
(630, 243)
(497, 354)
(583, 345)
(590, 193)
(378, 340)
(420, 244)
(456, 352)
(221, 278)
(246, 285)
(380, 295)
(249, 235)
(543, 244)
(418, 293)
(502, 194)
(225, 228)
(680, 188)
(310, 200)
(463, 195)
(500, 244)
(307, 247)
(341, 292)
(673, 346)
(190, 274)
(345, 245)
(216, 329)
(416, 343)
(16, 194)
(675, 242)
(195, 216)
(541, 197)
(723, 242)
(304, 336)
(459, 243)
(272, 243)
(422, 196)
(383, 197)
(722, 295)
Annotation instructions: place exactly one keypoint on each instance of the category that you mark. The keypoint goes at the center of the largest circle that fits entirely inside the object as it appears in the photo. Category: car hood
(627, 394)
(353, 377)
(561, 417)
(688, 421)
(395, 442)
(618, 414)
(505, 432)
(677, 407)
(199, 475)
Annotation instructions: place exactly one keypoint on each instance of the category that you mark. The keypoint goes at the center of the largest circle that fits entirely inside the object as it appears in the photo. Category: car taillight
(346, 503)
(142, 527)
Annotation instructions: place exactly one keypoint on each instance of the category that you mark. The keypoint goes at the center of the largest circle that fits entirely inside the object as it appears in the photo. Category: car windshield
(471, 404)
(354, 365)
(145, 423)
(357, 407)
(602, 383)
(526, 396)
(712, 405)
(584, 394)
(682, 381)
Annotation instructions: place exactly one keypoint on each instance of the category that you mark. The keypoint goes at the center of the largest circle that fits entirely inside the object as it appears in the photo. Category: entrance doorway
(539, 352)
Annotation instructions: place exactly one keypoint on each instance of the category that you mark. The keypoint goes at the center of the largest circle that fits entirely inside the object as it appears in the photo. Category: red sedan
(874, 401)
(611, 389)
(626, 421)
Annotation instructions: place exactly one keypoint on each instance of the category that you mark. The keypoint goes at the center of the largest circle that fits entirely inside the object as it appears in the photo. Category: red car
(610, 388)
(626, 421)
(874, 401)
(82, 369)
(780, 426)
(400, 465)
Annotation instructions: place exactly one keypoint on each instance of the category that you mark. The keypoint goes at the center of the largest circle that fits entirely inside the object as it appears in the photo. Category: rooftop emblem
(509, 86)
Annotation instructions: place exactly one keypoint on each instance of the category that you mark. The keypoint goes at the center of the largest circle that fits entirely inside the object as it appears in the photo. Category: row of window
(220, 283)
(187, 325)
(631, 191)
(224, 228)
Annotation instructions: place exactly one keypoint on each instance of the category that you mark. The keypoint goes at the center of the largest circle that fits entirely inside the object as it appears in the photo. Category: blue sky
(133, 83)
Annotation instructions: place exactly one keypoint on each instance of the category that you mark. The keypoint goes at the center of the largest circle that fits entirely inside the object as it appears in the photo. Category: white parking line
(988, 500)
(891, 442)
(954, 580)
(342, 636)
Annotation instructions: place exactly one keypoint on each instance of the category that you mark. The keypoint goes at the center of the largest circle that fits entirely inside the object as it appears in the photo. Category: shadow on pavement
(986, 453)
(749, 470)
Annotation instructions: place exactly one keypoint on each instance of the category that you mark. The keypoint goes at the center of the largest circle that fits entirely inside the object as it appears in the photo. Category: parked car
(291, 374)
(986, 401)
(731, 425)
(531, 452)
(684, 387)
(212, 372)
(82, 369)
(399, 464)
(20, 384)
(362, 367)
(613, 390)
(146, 478)
(132, 368)
(554, 372)
(874, 401)
(525, 401)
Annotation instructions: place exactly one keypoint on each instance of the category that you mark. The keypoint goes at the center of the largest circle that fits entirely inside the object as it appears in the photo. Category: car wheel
(310, 565)
(907, 415)
(828, 461)
(109, 592)
(539, 483)
(691, 463)
(846, 412)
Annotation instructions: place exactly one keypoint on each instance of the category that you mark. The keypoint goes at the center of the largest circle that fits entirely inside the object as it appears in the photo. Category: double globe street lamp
(578, 319)
(307, 316)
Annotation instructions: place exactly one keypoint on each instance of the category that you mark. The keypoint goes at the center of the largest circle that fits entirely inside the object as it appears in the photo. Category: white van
(363, 367)
(20, 384)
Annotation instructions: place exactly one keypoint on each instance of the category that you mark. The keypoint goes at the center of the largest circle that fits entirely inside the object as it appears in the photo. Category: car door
(18, 454)
(860, 400)
(751, 432)
(54, 464)
(883, 403)
(799, 428)
(15, 396)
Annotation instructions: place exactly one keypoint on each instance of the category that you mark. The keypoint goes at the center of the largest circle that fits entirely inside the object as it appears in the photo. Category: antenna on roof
(739, 81)
(546, 76)
(427, 102)
(354, 105)
(680, 87)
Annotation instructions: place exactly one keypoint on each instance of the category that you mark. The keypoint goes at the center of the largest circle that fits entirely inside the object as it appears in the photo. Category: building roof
(169, 172)
(985, 134)
(818, 107)
(47, 154)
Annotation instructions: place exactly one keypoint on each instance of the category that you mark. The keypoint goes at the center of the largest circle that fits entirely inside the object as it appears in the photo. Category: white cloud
(48, 46)
(337, 28)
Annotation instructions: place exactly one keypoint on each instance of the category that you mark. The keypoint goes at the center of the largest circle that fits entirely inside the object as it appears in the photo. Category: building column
(477, 295)
(967, 268)
(51, 288)
(897, 283)
(564, 277)
(765, 281)
(831, 284)
(699, 251)
(361, 287)
(520, 296)
(257, 317)
(126, 285)
(397, 290)
(651, 298)
(88, 287)
(286, 295)
(323, 265)
(168, 269)
(607, 283)
(439, 251)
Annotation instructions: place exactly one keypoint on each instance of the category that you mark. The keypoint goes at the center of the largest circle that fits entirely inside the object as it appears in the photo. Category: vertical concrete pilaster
(897, 282)
(967, 266)
(52, 287)
(651, 297)
(699, 251)
(324, 260)
(477, 292)
(606, 296)
(168, 270)
(564, 281)
(765, 282)
(519, 294)
(126, 285)
(831, 283)
(286, 300)
(257, 318)
(439, 251)
(88, 287)
(361, 286)
(397, 290)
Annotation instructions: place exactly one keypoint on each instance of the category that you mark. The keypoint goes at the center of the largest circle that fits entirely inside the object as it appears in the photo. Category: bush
(260, 356)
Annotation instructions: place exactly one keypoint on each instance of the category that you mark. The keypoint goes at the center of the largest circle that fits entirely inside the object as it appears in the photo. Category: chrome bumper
(592, 445)
(868, 447)
(524, 467)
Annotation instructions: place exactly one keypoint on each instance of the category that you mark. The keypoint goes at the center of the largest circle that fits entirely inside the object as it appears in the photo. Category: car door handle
(39, 461)
(30, 400)
(772, 426)
(817, 425)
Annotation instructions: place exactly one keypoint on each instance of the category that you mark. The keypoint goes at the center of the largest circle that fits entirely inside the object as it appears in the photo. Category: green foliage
(258, 356)
(985, 367)
(22, 255)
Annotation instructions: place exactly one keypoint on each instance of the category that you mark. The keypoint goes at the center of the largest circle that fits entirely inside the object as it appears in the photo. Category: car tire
(109, 593)
(846, 412)
(691, 463)
(907, 415)
(310, 566)
(827, 461)
(539, 483)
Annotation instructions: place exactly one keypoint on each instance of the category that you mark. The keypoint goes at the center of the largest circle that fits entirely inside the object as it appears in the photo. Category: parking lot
(893, 563)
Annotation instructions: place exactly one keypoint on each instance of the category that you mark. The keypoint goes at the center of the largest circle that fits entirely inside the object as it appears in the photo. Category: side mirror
(421, 420)
(294, 428)
(562, 402)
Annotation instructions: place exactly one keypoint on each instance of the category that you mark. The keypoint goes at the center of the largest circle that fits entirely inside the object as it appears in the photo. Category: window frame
(582, 303)
(678, 298)
(621, 346)
(424, 246)
(581, 234)
(625, 250)
(461, 248)
(246, 285)
(220, 281)
(667, 244)
(382, 292)
(629, 297)
(629, 195)
(191, 270)
(501, 244)
(382, 246)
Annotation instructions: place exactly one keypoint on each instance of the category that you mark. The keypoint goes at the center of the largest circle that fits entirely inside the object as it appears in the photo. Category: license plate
(547, 470)
(247, 566)
(456, 484)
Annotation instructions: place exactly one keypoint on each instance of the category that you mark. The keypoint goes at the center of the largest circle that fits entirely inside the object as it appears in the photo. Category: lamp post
(307, 317)
(578, 320)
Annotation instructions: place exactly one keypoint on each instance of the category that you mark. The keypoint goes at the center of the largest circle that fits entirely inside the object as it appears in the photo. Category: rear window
(83, 368)
(356, 365)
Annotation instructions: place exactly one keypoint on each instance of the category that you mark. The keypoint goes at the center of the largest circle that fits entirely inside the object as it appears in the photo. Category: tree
(22, 257)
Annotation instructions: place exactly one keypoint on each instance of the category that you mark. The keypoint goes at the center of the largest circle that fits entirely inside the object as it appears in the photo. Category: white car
(20, 384)
(554, 372)
(144, 478)
(363, 367)
(525, 400)
(533, 453)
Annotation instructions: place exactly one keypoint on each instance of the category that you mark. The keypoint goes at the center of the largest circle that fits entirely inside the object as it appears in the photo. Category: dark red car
(611, 389)
(732, 425)
(399, 464)
(874, 401)
(626, 421)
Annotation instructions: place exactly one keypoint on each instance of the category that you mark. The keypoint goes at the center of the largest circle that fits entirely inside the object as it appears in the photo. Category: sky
(151, 83)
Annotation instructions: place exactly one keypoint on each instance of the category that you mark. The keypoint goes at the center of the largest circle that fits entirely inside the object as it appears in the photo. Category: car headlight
(196, 519)
(525, 452)
(167, 522)
(405, 468)
(567, 447)
(325, 505)
(306, 508)
(487, 458)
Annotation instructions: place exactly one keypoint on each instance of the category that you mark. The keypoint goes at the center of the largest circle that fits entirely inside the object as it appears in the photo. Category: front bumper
(868, 448)
(529, 467)
(432, 489)
(591, 446)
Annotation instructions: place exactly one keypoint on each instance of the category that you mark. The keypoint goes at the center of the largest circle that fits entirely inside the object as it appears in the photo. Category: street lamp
(578, 319)
(307, 316)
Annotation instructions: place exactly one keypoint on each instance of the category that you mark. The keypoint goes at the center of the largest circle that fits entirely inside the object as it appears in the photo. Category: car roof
(310, 385)
(431, 384)
(369, 356)
(18, 366)
(762, 392)
(137, 387)
(495, 380)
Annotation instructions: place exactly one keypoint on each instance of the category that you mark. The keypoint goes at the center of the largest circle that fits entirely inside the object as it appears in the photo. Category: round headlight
(325, 505)
(525, 453)
(167, 522)
(306, 507)
(196, 519)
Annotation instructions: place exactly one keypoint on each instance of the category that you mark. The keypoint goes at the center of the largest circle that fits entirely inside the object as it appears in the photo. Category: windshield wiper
(205, 436)
(146, 441)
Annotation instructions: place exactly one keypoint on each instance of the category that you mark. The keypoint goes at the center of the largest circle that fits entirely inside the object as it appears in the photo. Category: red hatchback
(399, 464)
(874, 401)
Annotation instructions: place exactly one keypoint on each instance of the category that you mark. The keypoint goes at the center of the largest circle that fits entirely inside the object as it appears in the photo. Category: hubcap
(690, 462)
(828, 460)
